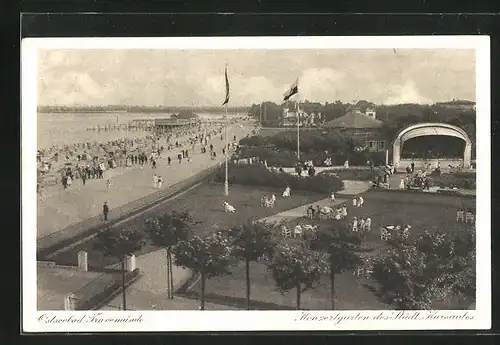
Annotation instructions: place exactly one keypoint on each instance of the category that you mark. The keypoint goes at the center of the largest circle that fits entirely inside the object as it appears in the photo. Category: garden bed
(462, 180)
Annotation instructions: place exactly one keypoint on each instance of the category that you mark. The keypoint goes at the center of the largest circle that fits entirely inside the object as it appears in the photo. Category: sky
(196, 78)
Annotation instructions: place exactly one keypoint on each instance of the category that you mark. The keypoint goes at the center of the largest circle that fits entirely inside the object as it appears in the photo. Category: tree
(166, 231)
(120, 244)
(342, 248)
(294, 265)
(250, 242)
(208, 257)
(414, 274)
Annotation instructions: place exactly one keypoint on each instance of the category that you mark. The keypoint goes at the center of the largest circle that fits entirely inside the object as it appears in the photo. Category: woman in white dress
(402, 183)
(361, 201)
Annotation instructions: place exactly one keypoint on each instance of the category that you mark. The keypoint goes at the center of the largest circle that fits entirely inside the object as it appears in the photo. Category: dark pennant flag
(226, 100)
(292, 90)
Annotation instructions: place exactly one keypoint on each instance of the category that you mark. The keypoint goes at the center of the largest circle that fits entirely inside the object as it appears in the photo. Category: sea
(69, 128)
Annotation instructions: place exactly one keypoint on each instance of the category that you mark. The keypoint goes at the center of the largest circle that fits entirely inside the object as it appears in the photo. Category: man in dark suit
(105, 210)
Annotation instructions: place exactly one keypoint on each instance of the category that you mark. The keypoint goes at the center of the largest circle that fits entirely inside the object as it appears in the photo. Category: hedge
(287, 158)
(353, 174)
(259, 175)
(462, 180)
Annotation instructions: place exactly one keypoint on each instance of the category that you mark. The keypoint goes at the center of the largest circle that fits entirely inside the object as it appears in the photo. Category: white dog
(228, 208)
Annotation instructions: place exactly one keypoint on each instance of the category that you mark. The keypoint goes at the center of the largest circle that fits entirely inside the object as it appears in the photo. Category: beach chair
(286, 232)
(460, 216)
(368, 224)
(298, 231)
(355, 226)
(358, 271)
(385, 234)
(469, 217)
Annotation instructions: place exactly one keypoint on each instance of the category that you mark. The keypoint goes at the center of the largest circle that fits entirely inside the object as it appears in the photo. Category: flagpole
(298, 132)
(226, 184)
(225, 123)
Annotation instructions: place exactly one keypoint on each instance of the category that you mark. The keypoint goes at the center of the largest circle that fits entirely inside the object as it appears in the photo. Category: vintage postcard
(256, 184)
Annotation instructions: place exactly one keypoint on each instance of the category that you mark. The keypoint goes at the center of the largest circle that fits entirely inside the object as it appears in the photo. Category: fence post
(131, 263)
(69, 302)
(83, 261)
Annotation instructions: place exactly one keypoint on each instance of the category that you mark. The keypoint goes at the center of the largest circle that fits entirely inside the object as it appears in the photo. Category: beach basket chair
(460, 216)
(385, 234)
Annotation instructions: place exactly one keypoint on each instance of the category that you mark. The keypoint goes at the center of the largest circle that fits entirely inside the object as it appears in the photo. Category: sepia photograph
(330, 182)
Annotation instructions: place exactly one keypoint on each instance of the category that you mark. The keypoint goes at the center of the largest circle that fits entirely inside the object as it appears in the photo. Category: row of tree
(412, 274)
(395, 117)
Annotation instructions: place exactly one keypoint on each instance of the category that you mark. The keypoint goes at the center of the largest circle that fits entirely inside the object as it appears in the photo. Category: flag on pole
(292, 90)
(226, 100)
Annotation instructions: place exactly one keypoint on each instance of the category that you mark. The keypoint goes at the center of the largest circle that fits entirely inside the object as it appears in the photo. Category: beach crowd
(62, 165)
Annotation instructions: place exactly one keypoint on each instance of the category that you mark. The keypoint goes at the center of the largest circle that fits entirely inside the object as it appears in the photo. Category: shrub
(462, 180)
(259, 175)
(353, 174)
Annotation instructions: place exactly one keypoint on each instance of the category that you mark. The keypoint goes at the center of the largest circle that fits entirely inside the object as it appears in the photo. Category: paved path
(149, 292)
(350, 188)
(79, 202)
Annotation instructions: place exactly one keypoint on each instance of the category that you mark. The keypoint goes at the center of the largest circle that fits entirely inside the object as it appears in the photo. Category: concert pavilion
(432, 143)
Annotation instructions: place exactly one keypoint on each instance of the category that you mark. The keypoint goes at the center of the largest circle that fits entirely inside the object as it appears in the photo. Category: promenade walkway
(64, 208)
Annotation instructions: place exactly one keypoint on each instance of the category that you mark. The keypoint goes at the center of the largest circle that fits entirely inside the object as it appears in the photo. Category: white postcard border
(134, 321)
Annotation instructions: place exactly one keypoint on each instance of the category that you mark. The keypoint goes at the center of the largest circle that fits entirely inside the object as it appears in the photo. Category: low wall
(100, 291)
(73, 233)
(422, 163)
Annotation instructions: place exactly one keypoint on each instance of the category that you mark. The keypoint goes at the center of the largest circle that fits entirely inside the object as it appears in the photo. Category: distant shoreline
(141, 110)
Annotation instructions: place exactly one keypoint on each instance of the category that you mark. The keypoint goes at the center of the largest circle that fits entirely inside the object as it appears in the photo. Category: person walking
(160, 182)
(155, 181)
(179, 157)
(169, 160)
(105, 210)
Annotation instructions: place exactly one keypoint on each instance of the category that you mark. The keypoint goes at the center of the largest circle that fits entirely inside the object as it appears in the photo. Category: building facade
(363, 126)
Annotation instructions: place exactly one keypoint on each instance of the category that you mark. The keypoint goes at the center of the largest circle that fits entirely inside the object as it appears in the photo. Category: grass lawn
(422, 211)
(205, 204)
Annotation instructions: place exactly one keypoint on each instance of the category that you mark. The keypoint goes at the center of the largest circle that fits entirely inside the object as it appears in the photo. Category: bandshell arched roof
(425, 129)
